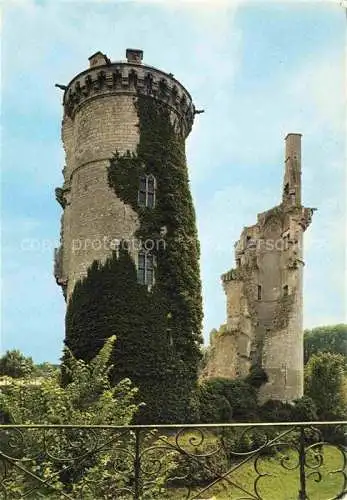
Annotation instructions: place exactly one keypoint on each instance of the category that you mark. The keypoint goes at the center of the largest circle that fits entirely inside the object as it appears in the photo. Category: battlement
(129, 77)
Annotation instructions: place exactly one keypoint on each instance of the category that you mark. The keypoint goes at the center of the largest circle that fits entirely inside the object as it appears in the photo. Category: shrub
(276, 411)
(14, 364)
(226, 400)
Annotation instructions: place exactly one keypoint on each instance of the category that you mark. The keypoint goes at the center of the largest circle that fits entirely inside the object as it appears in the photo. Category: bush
(304, 410)
(226, 400)
(201, 464)
(214, 408)
(276, 411)
(14, 364)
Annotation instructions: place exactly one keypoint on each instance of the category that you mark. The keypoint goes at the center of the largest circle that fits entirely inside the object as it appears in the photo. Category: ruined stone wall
(264, 292)
(221, 354)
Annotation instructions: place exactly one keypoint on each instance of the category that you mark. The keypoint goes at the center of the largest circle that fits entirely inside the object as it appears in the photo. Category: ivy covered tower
(128, 262)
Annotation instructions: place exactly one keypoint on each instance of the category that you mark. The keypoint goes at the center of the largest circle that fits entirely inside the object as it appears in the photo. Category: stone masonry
(264, 294)
(100, 118)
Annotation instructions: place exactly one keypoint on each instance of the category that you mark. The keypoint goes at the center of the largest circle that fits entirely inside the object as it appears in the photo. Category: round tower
(128, 261)
(100, 119)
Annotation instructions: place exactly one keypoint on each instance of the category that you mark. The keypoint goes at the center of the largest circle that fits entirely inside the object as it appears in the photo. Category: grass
(275, 482)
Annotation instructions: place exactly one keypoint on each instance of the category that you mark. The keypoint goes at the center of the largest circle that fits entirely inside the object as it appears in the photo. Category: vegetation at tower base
(158, 331)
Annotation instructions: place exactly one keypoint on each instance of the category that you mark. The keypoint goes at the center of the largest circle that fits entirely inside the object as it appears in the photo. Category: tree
(62, 456)
(87, 399)
(15, 364)
(325, 339)
(325, 384)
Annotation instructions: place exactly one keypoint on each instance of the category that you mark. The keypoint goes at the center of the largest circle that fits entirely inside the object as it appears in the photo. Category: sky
(259, 70)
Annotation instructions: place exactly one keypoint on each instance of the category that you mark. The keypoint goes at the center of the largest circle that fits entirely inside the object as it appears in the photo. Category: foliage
(256, 377)
(301, 410)
(304, 410)
(326, 339)
(325, 384)
(15, 364)
(158, 331)
(214, 408)
(209, 467)
(46, 369)
(224, 400)
(87, 400)
(276, 411)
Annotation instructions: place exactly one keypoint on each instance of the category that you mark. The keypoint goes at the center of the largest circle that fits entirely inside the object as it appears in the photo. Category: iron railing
(299, 461)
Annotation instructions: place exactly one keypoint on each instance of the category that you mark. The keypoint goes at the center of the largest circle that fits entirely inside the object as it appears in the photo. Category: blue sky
(260, 70)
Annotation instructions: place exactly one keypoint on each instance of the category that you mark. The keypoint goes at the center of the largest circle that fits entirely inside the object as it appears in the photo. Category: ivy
(158, 331)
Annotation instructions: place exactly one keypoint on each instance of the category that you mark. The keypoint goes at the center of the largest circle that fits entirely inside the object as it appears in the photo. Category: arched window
(147, 189)
(145, 269)
(285, 290)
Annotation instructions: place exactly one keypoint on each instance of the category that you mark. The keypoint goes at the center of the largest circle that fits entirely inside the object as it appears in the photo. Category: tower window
(259, 292)
(286, 188)
(145, 269)
(147, 191)
(285, 290)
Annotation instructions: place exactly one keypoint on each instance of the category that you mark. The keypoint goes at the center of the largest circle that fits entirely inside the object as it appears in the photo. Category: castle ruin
(265, 294)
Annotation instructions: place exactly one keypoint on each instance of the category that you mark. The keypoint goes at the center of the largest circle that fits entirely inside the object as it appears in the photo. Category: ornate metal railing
(300, 460)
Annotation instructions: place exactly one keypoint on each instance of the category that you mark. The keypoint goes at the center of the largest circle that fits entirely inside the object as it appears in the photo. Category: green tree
(325, 384)
(15, 364)
(88, 399)
(325, 339)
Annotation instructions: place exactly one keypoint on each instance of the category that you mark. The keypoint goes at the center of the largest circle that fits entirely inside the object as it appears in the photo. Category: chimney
(98, 59)
(292, 175)
(134, 56)
(293, 147)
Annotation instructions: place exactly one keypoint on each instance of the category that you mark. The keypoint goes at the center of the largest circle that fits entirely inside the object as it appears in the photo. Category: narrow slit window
(145, 269)
(141, 268)
(142, 191)
(147, 191)
(150, 191)
(285, 290)
(259, 292)
(149, 270)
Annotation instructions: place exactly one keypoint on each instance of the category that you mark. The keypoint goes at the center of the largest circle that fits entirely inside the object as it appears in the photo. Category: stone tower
(265, 293)
(128, 262)
(100, 118)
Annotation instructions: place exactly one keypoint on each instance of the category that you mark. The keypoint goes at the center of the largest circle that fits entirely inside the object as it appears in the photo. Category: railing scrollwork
(236, 461)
